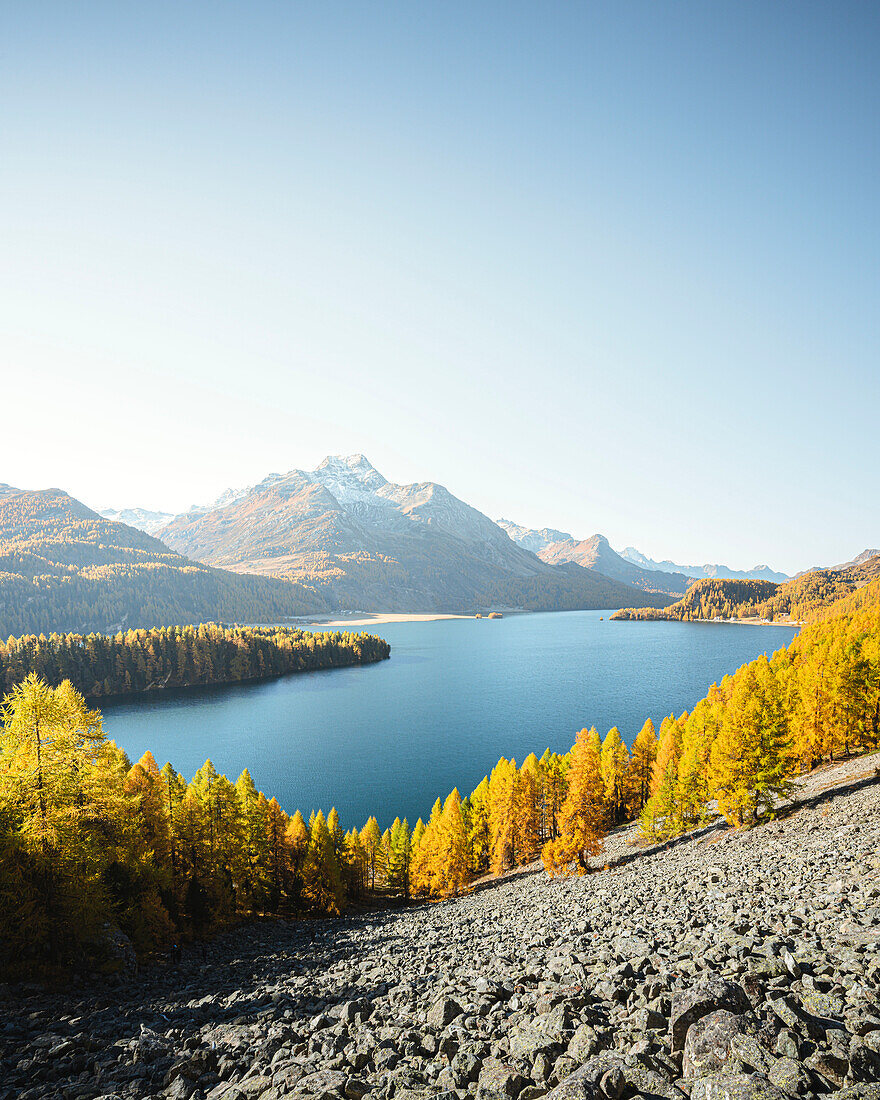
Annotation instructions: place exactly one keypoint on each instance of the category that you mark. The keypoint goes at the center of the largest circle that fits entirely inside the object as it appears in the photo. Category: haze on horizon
(593, 267)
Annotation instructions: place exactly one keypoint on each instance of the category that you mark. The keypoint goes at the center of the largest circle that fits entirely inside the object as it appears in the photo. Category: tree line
(179, 656)
(799, 599)
(86, 838)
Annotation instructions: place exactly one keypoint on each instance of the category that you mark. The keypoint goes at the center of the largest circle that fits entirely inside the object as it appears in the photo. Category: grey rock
(739, 1086)
(692, 1004)
(498, 1077)
(707, 1045)
(443, 1012)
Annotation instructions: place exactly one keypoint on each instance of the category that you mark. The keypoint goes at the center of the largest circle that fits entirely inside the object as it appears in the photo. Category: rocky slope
(727, 966)
(363, 542)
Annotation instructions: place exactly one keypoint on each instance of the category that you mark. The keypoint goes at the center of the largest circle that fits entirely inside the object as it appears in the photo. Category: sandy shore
(376, 618)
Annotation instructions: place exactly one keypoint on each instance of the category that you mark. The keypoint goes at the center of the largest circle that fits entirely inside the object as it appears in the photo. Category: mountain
(141, 518)
(595, 553)
(65, 568)
(532, 539)
(698, 572)
(860, 559)
(366, 543)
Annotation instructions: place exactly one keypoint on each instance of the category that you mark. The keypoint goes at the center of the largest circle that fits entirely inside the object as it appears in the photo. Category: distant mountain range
(351, 540)
(593, 553)
(363, 542)
(859, 560)
(701, 572)
(141, 518)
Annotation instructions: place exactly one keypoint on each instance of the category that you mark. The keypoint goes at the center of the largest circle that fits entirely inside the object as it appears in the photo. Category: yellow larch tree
(643, 756)
(502, 815)
(614, 759)
(528, 811)
(582, 817)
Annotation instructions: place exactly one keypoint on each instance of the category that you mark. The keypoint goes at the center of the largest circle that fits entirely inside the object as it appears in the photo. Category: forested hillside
(86, 839)
(179, 656)
(797, 600)
(64, 568)
(710, 599)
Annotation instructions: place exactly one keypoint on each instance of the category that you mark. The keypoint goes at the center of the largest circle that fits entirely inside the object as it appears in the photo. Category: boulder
(498, 1077)
(737, 1086)
(443, 1012)
(708, 1041)
(690, 1005)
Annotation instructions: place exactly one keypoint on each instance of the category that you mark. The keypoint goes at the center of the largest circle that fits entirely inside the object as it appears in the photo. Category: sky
(602, 267)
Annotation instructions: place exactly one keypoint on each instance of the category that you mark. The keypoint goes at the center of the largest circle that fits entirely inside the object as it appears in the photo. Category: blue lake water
(455, 696)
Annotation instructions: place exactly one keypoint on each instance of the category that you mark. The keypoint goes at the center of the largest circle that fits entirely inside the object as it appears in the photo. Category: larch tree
(582, 817)
(371, 838)
(450, 872)
(477, 820)
(615, 771)
(643, 757)
(322, 880)
(751, 759)
(528, 811)
(502, 815)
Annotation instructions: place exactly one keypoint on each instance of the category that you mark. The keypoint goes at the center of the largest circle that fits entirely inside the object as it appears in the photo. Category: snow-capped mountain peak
(142, 518)
(531, 539)
(351, 479)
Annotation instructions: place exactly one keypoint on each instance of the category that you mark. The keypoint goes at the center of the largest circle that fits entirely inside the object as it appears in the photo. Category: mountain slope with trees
(797, 599)
(64, 568)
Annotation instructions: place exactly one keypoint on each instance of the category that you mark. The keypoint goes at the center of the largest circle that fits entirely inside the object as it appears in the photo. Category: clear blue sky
(606, 267)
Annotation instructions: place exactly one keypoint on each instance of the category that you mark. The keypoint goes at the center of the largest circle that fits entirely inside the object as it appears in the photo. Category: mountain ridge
(363, 541)
(709, 570)
(594, 553)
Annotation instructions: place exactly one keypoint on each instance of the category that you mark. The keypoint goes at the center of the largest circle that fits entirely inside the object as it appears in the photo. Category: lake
(455, 696)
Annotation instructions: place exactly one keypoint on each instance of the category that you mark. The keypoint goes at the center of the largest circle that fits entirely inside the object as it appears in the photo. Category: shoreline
(731, 622)
(375, 618)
